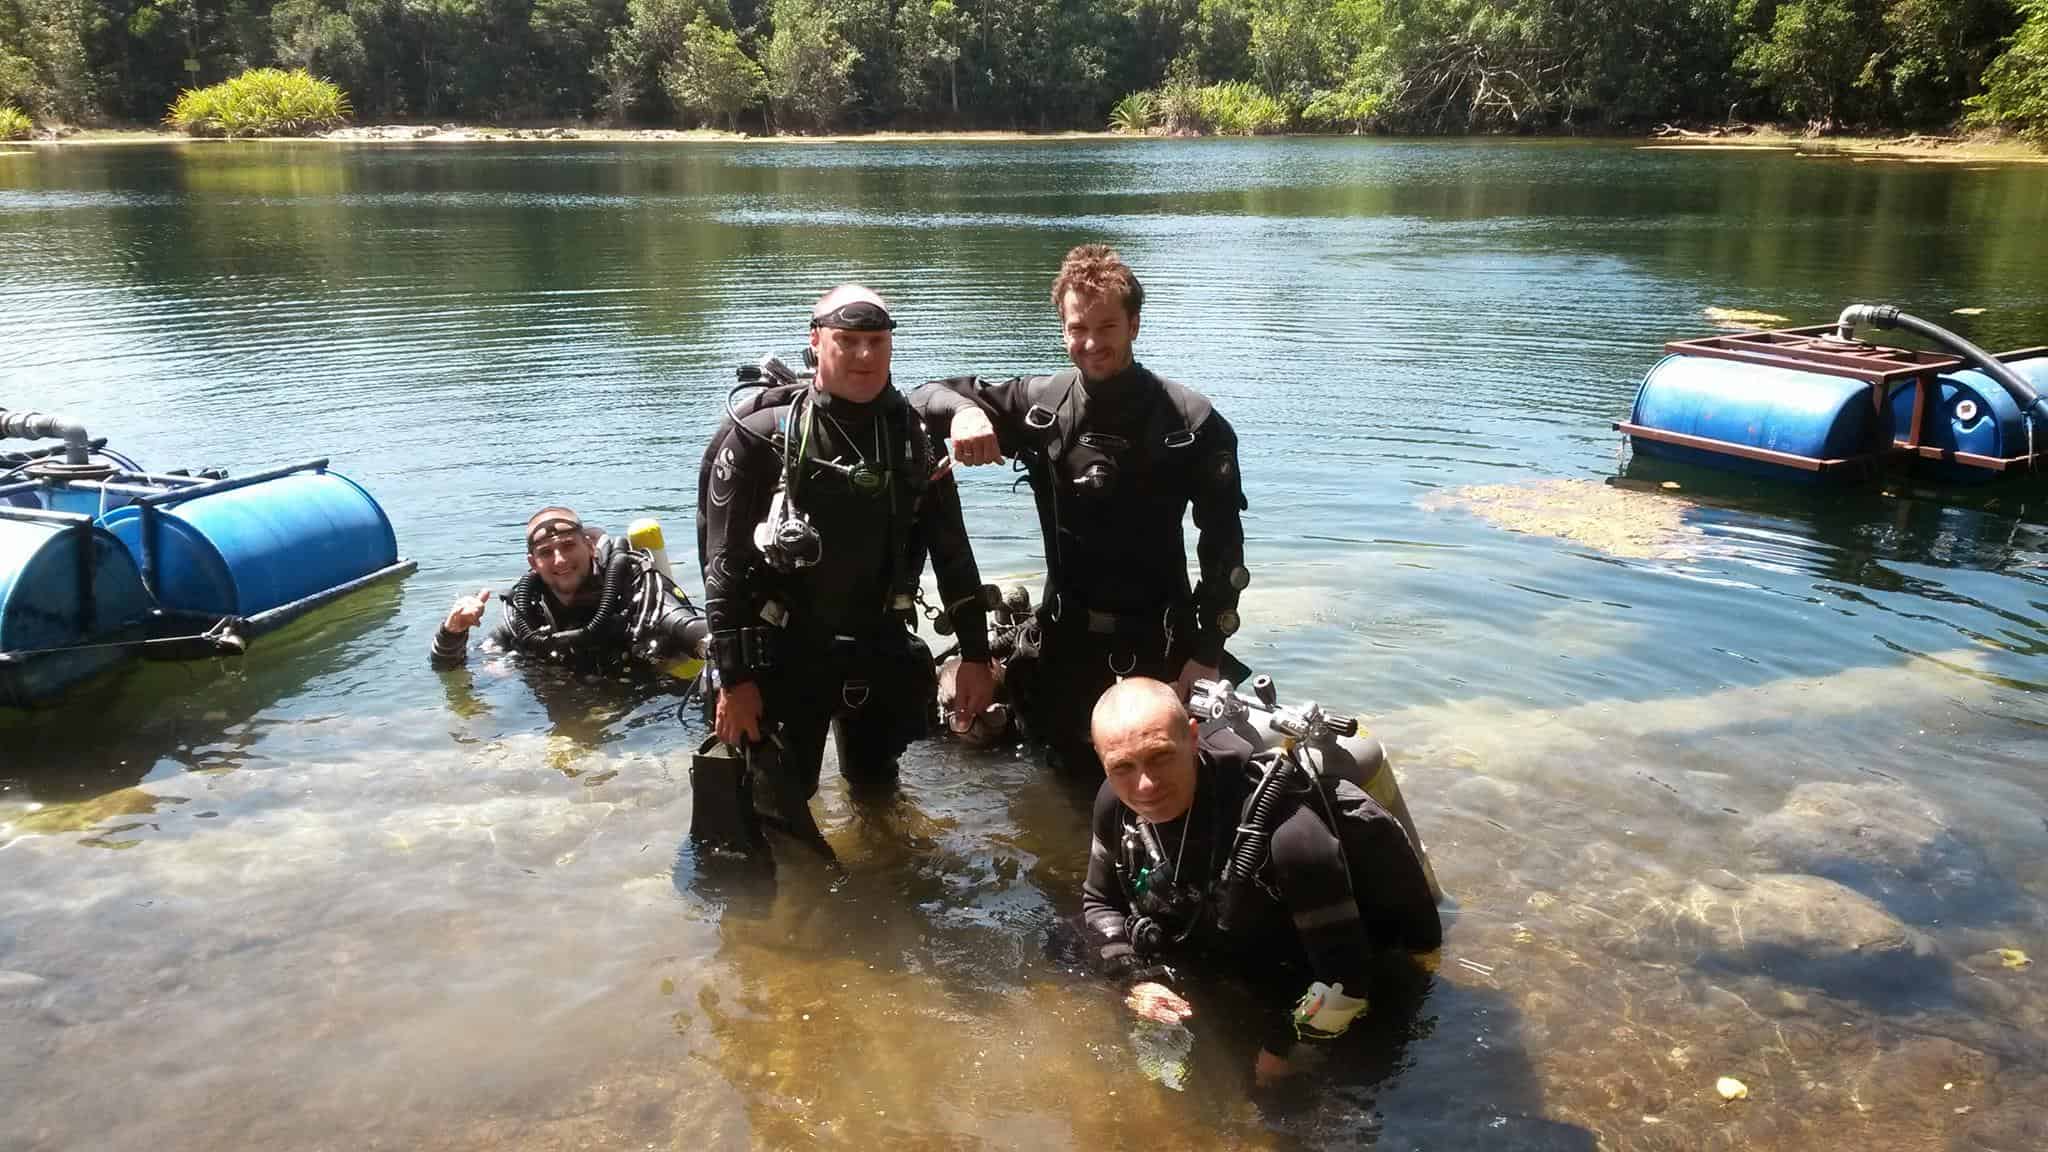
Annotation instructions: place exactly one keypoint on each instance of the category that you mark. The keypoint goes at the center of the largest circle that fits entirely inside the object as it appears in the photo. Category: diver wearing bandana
(586, 600)
(814, 511)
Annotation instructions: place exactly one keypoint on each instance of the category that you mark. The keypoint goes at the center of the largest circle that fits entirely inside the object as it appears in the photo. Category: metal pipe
(319, 464)
(42, 515)
(39, 425)
(160, 478)
(2032, 404)
(286, 613)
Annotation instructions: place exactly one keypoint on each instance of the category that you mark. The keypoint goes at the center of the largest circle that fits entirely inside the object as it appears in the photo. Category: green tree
(1811, 56)
(809, 67)
(629, 74)
(2015, 92)
(712, 77)
(321, 40)
(1934, 52)
(43, 66)
(928, 39)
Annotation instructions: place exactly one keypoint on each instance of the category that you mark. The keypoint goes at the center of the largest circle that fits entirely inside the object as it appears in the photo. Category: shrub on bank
(14, 124)
(1237, 108)
(1132, 115)
(1241, 108)
(261, 102)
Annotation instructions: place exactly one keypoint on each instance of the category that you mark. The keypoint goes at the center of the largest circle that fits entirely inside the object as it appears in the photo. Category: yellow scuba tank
(645, 534)
(1356, 757)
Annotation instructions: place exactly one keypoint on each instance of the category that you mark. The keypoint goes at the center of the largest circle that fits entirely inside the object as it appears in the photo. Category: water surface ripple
(1722, 779)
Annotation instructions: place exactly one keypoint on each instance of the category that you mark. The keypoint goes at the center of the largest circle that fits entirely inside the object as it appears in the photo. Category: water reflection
(151, 720)
(1762, 800)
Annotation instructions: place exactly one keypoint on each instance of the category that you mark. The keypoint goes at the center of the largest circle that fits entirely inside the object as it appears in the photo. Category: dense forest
(1216, 65)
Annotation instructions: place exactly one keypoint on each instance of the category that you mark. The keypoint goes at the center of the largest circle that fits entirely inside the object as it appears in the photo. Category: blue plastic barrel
(248, 550)
(1756, 406)
(1972, 413)
(40, 609)
(85, 499)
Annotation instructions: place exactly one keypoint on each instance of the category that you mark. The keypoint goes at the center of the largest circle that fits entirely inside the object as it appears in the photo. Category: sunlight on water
(1721, 780)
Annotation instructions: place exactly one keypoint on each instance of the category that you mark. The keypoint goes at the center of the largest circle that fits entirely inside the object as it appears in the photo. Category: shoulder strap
(1191, 407)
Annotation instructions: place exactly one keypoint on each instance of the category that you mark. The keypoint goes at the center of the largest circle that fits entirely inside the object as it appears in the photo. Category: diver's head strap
(550, 526)
(856, 316)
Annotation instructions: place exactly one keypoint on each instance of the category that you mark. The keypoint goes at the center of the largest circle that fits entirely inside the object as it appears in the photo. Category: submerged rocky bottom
(507, 942)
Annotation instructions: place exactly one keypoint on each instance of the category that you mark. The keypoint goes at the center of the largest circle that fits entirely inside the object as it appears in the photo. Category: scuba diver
(1012, 640)
(1115, 455)
(586, 600)
(1205, 850)
(817, 502)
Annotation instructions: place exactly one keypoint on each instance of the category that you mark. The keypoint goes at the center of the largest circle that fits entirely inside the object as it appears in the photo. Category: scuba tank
(645, 534)
(1329, 746)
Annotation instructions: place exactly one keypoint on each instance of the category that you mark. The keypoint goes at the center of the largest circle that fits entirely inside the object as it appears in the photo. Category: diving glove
(1324, 1012)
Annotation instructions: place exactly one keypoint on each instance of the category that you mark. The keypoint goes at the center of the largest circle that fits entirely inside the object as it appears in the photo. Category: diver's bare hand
(467, 613)
(739, 713)
(974, 689)
(974, 438)
(1158, 1003)
(1268, 1069)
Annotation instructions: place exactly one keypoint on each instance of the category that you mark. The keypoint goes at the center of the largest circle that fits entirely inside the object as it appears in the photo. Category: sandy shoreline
(1915, 149)
(479, 134)
(1906, 149)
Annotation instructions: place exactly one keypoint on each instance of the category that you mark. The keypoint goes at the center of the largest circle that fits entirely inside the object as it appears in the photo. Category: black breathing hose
(1254, 838)
(618, 572)
(2032, 403)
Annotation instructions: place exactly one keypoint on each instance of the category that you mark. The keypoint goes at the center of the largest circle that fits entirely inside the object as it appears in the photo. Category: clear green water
(323, 897)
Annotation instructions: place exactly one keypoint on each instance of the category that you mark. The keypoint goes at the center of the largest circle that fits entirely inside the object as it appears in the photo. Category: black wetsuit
(1114, 466)
(674, 628)
(838, 630)
(1322, 901)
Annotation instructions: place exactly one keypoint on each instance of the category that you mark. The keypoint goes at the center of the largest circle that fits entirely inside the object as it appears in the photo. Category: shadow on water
(1993, 527)
(917, 995)
(585, 711)
(150, 719)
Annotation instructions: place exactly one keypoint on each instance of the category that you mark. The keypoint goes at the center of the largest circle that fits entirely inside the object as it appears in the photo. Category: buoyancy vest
(1094, 484)
(814, 489)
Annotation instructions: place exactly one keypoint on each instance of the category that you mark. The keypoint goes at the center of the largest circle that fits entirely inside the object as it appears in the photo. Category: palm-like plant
(1132, 115)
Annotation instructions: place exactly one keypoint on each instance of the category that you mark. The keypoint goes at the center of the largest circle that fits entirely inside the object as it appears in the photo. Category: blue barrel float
(1807, 403)
(101, 561)
(71, 604)
(250, 546)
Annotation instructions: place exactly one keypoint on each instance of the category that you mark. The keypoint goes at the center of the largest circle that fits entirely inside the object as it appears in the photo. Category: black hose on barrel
(2031, 402)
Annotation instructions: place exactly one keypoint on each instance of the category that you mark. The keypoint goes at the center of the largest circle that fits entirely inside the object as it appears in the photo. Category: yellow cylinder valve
(645, 534)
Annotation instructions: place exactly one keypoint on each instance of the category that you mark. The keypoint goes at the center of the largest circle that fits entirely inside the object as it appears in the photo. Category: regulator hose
(1254, 838)
(525, 606)
(2032, 404)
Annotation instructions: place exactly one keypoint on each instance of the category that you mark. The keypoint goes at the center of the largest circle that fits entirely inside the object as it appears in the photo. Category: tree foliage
(2016, 85)
(809, 67)
(825, 65)
(712, 78)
